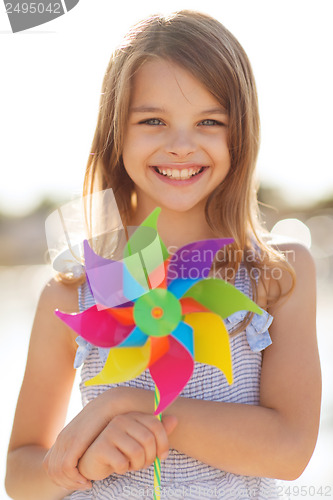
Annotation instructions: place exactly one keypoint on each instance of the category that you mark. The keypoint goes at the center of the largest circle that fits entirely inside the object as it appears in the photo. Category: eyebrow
(214, 111)
(154, 109)
(147, 109)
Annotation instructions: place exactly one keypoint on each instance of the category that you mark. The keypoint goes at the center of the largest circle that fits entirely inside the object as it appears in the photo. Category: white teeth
(183, 174)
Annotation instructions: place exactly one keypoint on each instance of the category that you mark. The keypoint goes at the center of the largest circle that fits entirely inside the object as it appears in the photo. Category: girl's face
(175, 148)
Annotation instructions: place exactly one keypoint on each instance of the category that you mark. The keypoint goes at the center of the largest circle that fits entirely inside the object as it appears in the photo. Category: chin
(181, 207)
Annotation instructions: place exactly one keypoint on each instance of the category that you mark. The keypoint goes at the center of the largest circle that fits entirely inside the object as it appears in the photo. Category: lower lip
(180, 183)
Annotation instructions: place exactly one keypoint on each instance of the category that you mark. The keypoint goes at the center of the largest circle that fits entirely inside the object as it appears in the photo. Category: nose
(180, 144)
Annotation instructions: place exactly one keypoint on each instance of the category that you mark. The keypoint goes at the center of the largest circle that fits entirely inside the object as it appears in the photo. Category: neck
(178, 228)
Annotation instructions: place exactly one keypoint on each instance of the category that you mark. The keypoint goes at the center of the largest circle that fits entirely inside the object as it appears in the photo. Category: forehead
(165, 83)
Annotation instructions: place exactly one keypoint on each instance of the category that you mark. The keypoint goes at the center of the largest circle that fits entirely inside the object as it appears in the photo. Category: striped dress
(182, 476)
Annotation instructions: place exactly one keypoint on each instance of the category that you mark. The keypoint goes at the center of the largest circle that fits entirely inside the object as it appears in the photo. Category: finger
(108, 459)
(143, 452)
(154, 425)
(170, 423)
(135, 441)
(72, 475)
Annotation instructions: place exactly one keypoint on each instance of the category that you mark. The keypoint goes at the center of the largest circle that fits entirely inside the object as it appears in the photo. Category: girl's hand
(60, 463)
(129, 442)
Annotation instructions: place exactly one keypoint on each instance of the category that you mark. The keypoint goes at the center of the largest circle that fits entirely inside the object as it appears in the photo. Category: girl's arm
(276, 438)
(43, 400)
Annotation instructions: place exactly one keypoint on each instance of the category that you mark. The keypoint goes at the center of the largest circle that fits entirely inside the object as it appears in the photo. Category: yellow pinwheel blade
(211, 341)
(122, 364)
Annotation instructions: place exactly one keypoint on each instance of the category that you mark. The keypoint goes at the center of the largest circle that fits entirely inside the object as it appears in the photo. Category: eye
(152, 121)
(211, 123)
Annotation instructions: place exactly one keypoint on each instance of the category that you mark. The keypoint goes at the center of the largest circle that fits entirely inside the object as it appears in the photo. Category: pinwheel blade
(151, 221)
(96, 326)
(221, 297)
(136, 338)
(171, 373)
(160, 272)
(123, 363)
(159, 346)
(184, 334)
(211, 342)
(105, 278)
(123, 314)
(193, 261)
(145, 253)
(190, 305)
(179, 287)
(135, 282)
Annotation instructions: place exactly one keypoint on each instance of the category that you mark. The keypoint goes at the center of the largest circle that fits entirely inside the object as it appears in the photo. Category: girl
(178, 128)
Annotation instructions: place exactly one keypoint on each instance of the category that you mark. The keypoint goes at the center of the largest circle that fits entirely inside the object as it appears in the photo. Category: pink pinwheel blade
(96, 326)
(193, 261)
(171, 373)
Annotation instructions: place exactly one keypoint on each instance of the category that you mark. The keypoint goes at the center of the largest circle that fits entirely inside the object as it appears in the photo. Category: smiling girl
(178, 128)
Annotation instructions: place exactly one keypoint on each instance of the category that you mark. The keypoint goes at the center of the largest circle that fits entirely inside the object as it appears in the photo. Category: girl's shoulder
(61, 295)
(281, 280)
(295, 252)
(281, 260)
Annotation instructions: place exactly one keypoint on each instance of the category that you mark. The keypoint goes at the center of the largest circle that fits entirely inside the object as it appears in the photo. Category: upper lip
(178, 166)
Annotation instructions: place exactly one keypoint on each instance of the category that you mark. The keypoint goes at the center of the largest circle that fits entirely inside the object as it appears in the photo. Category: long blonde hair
(204, 47)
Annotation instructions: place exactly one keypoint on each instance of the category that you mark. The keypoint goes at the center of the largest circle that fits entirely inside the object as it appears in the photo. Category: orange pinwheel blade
(190, 305)
(159, 346)
(123, 314)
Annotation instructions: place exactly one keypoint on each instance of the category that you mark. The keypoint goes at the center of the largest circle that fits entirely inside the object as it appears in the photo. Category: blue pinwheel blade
(180, 286)
(136, 338)
(135, 283)
(184, 334)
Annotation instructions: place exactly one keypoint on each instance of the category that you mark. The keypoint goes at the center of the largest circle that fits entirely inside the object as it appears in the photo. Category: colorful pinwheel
(158, 311)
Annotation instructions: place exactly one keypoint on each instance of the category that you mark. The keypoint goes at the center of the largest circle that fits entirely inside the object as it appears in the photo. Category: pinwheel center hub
(157, 313)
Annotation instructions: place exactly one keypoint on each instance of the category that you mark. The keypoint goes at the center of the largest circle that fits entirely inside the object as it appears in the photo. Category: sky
(51, 80)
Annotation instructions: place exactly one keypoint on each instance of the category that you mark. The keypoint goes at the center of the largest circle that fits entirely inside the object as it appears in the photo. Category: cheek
(131, 151)
(218, 148)
(139, 145)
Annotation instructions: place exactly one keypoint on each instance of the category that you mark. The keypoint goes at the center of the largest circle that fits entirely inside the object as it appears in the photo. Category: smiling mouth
(179, 175)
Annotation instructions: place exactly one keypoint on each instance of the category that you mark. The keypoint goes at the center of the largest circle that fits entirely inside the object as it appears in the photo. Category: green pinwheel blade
(151, 221)
(221, 298)
(145, 251)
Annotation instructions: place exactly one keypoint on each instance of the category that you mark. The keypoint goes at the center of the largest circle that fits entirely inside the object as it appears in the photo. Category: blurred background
(50, 89)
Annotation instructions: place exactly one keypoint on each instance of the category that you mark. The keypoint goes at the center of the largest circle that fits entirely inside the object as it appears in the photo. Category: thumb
(169, 422)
